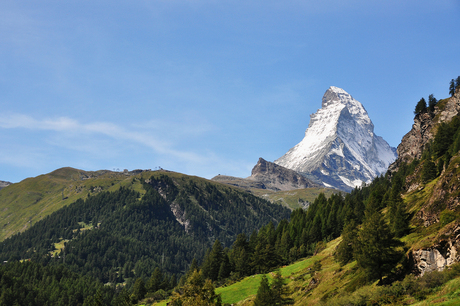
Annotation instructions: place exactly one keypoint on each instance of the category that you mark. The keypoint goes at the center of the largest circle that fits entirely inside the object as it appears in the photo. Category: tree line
(422, 106)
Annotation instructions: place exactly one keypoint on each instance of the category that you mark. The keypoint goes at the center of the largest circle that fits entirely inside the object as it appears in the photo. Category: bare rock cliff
(268, 175)
(444, 253)
(424, 129)
(3, 184)
(276, 177)
(412, 144)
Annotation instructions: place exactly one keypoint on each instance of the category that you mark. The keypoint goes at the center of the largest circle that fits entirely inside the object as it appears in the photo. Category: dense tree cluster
(274, 294)
(30, 283)
(438, 153)
(273, 246)
(422, 106)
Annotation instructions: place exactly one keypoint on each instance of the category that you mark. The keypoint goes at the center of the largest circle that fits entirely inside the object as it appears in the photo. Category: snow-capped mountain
(340, 148)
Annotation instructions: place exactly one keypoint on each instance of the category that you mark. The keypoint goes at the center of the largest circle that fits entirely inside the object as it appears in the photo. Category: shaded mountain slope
(115, 236)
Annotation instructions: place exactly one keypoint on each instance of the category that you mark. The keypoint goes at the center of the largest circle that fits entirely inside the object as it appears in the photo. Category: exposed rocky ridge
(445, 192)
(268, 175)
(276, 177)
(4, 184)
(340, 149)
(424, 129)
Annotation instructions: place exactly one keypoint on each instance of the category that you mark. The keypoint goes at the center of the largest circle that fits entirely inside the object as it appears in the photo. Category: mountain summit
(340, 148)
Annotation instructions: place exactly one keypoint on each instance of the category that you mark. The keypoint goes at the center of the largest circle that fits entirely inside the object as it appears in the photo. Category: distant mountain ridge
(278, 177)
(4, 184)
(340, 149)
(270, 176)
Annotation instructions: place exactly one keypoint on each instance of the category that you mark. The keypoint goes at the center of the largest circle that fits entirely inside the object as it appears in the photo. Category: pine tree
(397, 212)
(123, 298)
(285, 245)
(344, 252)
(429, 171)
(376, 248)
(432, 102)
(400, 224)
(240, 259)
(264, 294)
(196, 292)
(315, 229)
(452, 87)
(213, 261)
(95, 300)
(420, 107)
(155, 281)
(280, 291)
(139, 290)
(225, 267)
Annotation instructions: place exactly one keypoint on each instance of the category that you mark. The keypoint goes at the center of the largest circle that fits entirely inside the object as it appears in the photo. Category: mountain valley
(152, 237)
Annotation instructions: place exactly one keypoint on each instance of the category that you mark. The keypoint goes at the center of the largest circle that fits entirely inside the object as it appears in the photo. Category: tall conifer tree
(376, 248)
(264, 295)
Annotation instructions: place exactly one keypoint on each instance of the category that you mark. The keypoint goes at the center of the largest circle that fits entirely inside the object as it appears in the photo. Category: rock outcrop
(268, 175)
(4, 184)
(424, 129)
(441, 255)
(276, 177)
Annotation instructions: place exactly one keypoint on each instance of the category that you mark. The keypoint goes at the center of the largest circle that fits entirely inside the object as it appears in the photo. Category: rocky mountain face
(439, 197)
(412, 145)
(270, 176)
(3, 184)
(340, 149)
(423, 130)
(276, 177)
(445, 251)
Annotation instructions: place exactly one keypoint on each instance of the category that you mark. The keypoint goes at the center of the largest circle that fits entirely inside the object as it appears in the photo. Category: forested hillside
(29, 201)
(120, 236)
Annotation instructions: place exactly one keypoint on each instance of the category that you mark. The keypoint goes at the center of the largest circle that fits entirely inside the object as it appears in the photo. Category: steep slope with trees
(125, 235)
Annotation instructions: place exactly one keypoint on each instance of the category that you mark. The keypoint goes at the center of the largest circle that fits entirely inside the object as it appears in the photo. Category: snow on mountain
(340, 148)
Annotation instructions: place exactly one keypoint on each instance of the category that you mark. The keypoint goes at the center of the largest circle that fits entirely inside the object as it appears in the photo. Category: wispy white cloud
(65, 127)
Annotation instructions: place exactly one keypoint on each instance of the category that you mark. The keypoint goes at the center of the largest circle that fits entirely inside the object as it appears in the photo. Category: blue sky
(206, 87)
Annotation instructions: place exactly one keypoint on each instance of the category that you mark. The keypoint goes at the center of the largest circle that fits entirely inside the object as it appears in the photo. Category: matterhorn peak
(335, 95)
(340, 148)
